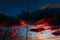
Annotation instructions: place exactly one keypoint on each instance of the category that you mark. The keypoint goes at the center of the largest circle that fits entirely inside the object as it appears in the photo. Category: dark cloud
(7, 20)
(37, 30)
(49, 13)
(56, 33)
(52, 16)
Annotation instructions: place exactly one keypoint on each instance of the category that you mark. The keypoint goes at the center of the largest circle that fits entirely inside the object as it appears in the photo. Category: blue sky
(14, 7)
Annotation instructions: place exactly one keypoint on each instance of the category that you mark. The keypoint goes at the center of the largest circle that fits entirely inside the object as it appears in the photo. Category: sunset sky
(15, 7)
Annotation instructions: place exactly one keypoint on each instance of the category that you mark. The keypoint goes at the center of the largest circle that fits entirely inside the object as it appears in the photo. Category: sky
(14, 7)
